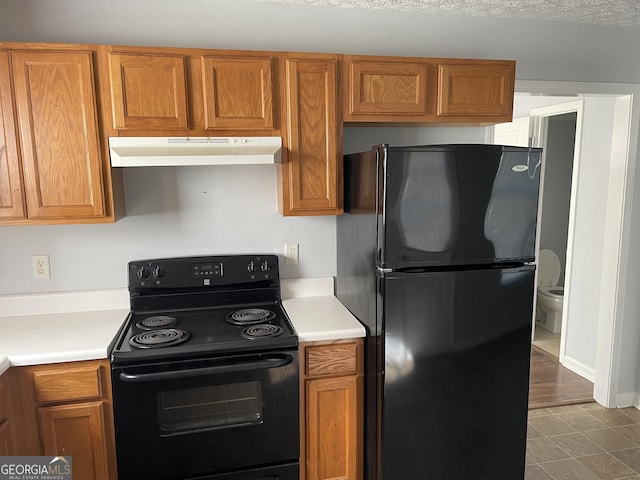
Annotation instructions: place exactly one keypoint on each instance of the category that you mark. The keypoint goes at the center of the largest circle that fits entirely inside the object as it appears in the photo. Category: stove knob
(142, 273)
(265, 267)
(157, 272)
(251, 267)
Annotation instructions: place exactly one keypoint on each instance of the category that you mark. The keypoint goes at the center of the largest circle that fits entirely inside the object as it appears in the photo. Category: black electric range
(205, 372)
(193, 306)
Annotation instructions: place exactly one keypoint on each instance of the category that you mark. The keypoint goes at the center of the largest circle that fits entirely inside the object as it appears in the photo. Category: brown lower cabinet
(65, 409)
(331, 410)
(6, 438)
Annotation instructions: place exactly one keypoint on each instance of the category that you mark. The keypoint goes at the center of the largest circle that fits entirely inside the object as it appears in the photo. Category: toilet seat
(548, 268)
(553, 292)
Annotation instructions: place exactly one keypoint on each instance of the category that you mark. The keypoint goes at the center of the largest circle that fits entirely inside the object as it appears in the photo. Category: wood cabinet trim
(12, 205)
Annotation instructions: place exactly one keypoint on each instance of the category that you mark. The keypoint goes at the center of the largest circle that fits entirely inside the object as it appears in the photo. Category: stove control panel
(198, 272)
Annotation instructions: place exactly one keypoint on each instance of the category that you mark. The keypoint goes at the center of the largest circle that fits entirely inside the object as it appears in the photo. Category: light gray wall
(544, 50)
(361, 139)
(170, 212)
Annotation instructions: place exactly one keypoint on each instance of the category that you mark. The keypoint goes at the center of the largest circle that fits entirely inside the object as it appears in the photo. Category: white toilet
(550, 297)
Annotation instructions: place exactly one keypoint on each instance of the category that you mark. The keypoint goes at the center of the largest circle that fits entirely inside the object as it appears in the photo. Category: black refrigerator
(435, 257)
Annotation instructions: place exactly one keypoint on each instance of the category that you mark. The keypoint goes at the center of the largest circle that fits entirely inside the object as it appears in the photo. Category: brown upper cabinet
(238, 92)
(53, 165)
(380, 89)
(59, 103)
(148, 91)
(427, 90)
(191, 91)
(476, 89)
(311, 176)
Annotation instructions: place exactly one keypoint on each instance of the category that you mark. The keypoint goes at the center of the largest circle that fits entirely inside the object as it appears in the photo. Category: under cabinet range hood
(185, 151)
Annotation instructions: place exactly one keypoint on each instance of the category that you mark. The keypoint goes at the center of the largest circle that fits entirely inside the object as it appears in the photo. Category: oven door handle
(262, 362)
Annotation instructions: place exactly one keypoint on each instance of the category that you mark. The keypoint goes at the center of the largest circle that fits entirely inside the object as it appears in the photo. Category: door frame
(615, 362)
(539, 128)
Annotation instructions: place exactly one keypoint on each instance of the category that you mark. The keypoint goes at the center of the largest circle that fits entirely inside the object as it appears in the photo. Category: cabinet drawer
(69, 384)
(331, 359)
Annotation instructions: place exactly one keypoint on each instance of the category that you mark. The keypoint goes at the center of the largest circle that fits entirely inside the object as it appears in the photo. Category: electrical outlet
(291, 253)
(41, 266)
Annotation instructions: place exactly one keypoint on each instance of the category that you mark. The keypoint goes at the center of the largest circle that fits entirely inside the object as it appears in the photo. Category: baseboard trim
(579, 368)
(629, 399)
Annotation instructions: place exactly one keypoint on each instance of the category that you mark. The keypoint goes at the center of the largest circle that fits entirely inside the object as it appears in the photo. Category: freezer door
(456, 374)
(458, 205)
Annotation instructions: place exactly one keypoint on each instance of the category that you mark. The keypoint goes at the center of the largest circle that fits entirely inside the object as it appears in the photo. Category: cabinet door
(377, 89)
(238, 93)
(5, 431)
(312, 174)
(332, 428)
(5, 439)
(77, 431)
(148, 91)
(481, 90)
(11, 190)
(59, 137)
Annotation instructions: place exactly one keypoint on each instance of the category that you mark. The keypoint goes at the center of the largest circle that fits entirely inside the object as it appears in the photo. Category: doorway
(557, 129)
(604, 347)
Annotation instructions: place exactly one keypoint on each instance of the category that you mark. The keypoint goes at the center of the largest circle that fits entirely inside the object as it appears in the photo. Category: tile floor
(583, 442)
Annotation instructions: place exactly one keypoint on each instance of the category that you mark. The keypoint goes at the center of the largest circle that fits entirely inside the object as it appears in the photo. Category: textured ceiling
(602, 12)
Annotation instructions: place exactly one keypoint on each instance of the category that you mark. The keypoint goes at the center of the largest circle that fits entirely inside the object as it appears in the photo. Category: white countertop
(58, 337)
(322, 317)
(71, 326)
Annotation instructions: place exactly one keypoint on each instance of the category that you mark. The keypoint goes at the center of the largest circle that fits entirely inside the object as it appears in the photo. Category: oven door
(191, 418)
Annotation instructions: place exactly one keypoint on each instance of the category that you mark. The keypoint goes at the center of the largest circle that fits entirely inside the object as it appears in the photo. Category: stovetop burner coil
(250, 316)
(157, 321)
(159, 338)
(262, 330)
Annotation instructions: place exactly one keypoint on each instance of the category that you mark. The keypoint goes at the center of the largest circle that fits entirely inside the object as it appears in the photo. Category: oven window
(205, 408)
